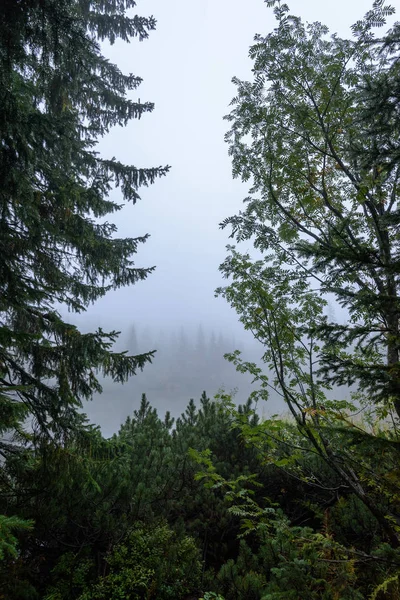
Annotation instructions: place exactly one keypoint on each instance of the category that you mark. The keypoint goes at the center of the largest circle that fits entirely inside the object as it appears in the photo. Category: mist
(187, 362)
(187, 65)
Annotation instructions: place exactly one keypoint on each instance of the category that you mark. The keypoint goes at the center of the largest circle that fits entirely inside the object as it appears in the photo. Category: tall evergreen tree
(58, 96)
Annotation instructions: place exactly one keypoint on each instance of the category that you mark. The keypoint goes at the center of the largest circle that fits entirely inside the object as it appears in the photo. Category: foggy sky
(187, 65)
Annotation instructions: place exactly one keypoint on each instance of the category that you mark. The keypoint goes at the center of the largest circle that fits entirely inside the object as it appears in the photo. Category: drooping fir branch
(58, 96)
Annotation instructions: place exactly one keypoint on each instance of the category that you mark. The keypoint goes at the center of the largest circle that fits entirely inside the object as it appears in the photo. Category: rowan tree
(316, 133)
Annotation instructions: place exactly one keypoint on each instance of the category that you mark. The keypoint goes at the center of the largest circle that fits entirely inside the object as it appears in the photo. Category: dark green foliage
(288, 565)
(150, 563)
(126, 513)
(84, 496)
(305, 535)
(9, 526)
(58, 96)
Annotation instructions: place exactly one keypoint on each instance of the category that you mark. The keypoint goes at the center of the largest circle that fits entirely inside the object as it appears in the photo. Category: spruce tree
(58, 96)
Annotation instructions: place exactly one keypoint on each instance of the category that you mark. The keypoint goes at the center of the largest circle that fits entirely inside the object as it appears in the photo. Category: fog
(187, 65)
(187, 362)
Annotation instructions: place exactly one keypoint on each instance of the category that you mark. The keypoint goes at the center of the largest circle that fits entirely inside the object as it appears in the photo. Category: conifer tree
(58, 96)
(132, 341)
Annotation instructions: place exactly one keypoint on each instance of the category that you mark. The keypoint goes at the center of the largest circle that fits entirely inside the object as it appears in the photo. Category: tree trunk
(393, 358)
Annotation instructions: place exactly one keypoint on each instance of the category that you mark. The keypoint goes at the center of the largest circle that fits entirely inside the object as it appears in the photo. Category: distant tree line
(184, 360)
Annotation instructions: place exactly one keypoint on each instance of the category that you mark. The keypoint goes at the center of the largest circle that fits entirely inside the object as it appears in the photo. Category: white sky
(187, 66)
